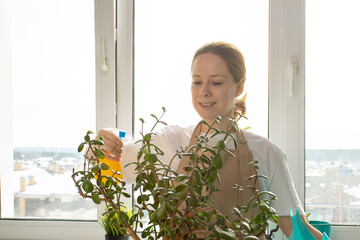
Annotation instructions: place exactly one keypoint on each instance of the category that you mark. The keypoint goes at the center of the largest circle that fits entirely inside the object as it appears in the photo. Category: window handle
(104, 62)
(293, 73)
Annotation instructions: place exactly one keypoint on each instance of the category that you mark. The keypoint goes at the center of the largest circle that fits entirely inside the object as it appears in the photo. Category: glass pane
(53, 82)
(167, 34)
(332, 118)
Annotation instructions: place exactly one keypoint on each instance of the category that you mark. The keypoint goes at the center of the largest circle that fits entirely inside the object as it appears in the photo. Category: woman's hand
(113, 146)
(286, 227)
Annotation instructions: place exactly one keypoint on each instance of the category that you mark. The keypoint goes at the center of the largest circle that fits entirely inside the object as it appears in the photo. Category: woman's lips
(207, 104)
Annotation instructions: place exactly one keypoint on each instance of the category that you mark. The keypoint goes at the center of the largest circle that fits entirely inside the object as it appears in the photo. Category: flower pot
(110, 237)
(322, 226)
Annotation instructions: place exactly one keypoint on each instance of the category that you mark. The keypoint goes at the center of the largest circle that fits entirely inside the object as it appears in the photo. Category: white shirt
(272, 163)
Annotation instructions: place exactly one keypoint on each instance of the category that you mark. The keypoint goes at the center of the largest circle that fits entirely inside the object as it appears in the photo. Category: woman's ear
(240, 87)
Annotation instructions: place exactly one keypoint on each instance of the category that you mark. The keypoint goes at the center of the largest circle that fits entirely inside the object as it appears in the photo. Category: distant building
(335, 199)
(44, 189)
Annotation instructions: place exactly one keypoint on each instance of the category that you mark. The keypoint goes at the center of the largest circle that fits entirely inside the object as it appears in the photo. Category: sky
(332, 78)
(54, 71)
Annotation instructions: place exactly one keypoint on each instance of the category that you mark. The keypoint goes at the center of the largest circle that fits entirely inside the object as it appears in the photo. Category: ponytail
(240, 104)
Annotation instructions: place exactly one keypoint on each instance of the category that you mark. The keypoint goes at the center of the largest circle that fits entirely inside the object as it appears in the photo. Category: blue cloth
(300, 231)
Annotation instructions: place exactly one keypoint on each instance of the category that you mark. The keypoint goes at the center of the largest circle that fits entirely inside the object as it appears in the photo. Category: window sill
(345, 232)
(50, 230)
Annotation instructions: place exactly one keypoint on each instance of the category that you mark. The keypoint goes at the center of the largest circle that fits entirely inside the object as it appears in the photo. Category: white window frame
(125, 65)
(6, 124)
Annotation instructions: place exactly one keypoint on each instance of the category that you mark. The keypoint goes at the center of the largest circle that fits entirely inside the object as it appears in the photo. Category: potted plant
(162, 190)
(110, 221)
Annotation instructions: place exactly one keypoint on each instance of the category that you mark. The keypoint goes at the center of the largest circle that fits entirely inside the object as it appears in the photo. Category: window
(52, 96)
(290, 120)
(75, 35)
(331, 125)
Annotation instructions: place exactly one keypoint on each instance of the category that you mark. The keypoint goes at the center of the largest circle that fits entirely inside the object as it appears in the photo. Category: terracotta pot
(110, 237)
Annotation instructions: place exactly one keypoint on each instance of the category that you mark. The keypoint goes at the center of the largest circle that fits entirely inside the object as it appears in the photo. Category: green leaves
(188, 168)
(213, 174)
(95, 197)
(151, 157)
(180, 177)
(227, 235)
(87, 138)
(97, 142)
(81, 147)
(217, 161)
(196, 176)
(126, 194)
(142, 198)
(88, 186)
(124, 216)
(181, 187)
(221, 145)
(99, 153)
(104, 166)
(162, 211)
(181, 191)
(250, 238)
(95, 168)
(147, 137)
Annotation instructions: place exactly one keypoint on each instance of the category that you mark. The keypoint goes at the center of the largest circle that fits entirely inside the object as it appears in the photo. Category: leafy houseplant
(162, 190)
(110, 222)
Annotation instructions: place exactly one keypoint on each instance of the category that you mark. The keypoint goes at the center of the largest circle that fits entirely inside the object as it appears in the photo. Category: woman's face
(213, 88)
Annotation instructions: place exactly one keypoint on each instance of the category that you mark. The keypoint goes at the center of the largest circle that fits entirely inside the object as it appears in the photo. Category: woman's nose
(204, 90)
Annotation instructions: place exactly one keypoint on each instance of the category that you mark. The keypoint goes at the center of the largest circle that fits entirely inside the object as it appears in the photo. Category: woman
(218, 77)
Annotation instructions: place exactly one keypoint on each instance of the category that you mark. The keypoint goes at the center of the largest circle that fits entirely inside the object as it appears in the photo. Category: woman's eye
(196, 83)
(216, 83)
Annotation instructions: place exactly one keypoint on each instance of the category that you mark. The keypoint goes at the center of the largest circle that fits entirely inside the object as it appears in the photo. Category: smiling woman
(213, 93)
(218, 72)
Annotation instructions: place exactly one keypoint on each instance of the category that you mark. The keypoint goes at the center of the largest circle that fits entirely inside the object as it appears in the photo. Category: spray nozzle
(122, 134)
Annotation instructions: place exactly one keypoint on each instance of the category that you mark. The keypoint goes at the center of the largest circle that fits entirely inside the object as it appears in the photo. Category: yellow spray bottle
(114, 165)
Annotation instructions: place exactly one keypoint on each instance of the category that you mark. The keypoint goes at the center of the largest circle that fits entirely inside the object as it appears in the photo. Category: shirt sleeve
(273, 164)
(282, 185)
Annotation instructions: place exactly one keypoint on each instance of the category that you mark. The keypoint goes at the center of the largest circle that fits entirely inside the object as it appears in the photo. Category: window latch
(104, 62)
(293, 74)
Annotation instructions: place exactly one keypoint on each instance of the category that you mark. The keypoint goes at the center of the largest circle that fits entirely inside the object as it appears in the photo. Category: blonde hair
(235, 63)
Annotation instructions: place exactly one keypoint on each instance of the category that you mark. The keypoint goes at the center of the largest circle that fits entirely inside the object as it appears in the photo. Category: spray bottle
(114, 165)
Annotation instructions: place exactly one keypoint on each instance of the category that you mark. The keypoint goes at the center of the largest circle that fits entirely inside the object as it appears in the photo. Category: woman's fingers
(113, 145)
(112, 157)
